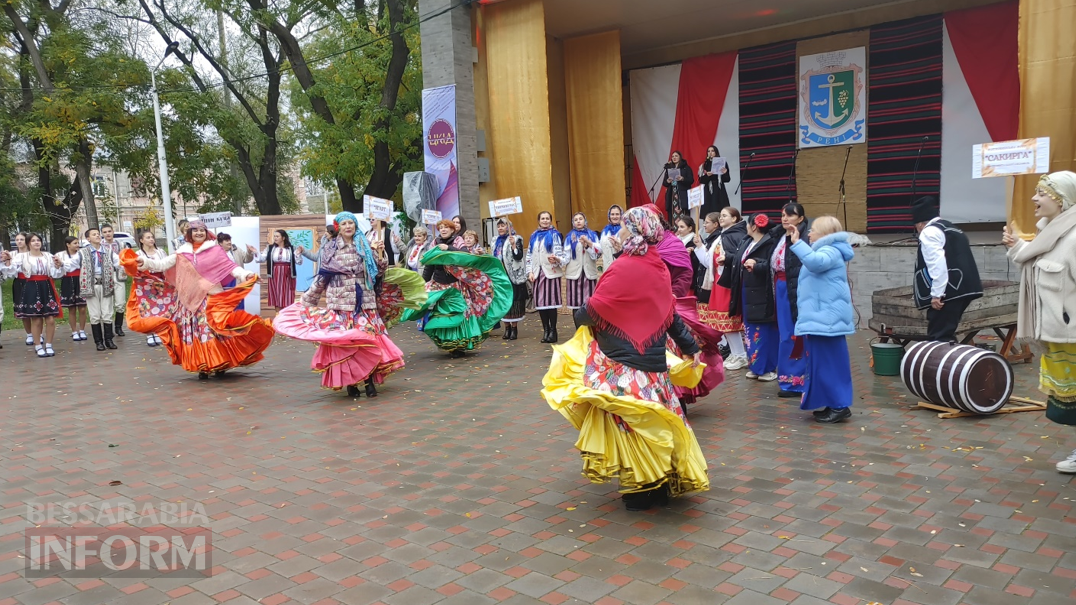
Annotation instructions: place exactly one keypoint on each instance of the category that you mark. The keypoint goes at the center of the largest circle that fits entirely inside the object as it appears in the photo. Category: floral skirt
(212, 338)
(630, 423)
(1057, 379)
(352, 346)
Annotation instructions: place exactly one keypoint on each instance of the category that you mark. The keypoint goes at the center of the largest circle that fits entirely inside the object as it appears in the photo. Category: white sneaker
(150, 342)
(82, 334)
(29, 340)
(751, 375)
(736, 362)
(75, 337)
(768, 377)
(1068, 465)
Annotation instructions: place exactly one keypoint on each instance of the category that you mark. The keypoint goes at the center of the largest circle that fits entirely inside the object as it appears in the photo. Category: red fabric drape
(704, 83)
(640, 194)
(985, 42)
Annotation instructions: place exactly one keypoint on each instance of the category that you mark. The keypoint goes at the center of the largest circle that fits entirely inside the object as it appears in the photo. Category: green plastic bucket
(885, 358)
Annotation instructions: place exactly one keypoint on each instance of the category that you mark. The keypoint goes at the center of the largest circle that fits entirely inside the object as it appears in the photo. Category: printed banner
(694, 197)
(512, 205)
(1008, 158)
(377, 208)
(833, 98)
(216, 220)
(439, 150)
(431, 217)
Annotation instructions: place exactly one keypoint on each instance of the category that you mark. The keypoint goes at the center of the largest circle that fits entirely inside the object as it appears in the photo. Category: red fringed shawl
(633, 299)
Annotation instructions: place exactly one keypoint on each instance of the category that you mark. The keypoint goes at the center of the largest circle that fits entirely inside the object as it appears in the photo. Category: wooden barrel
(957, 376)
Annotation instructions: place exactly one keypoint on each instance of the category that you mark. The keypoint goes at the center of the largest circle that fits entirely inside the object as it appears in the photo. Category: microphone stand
(791, 174)
(841, 204)
(656, 181)
(743, 171)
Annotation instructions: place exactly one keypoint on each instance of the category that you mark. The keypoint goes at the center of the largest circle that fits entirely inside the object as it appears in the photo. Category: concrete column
(448, 55)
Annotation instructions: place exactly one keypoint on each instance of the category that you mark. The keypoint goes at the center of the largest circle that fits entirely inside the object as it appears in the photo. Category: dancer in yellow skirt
(612, 381)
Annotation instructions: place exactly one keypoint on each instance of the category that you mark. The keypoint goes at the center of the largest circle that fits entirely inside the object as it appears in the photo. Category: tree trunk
(386, 177)
(85, 182)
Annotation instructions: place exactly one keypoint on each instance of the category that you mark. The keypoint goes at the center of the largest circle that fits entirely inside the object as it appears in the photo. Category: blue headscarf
(362, 245)
(612, 229)
(575, 234)
(502, 238)
(549, 236)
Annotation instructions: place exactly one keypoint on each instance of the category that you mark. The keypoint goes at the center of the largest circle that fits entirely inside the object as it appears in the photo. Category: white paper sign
(431, 217)
(694, 197)
(377, 208)
(1008, 158)
(512, 205)
(717, 165)
(216, 220)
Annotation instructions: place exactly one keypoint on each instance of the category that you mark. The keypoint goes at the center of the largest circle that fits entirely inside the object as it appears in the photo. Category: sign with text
(439, 149)
(431, 217)
(512, 205)
(377, 208)
(1009, 158)
(694, 197)
(833, 98)
(216, 220)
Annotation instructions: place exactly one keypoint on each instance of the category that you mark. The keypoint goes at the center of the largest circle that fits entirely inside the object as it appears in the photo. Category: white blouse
(280, 255)
(30, 265)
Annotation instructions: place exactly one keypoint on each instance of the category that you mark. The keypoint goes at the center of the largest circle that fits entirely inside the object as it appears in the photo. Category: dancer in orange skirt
(180, 299)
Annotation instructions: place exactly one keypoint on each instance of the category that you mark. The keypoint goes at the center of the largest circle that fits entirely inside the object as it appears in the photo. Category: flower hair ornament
(761, 221)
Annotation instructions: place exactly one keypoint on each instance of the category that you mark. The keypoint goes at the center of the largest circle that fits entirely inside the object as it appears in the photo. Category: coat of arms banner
(833, 98)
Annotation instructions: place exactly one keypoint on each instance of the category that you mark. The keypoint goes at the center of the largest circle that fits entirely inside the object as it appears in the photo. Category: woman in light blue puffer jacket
(825, 319)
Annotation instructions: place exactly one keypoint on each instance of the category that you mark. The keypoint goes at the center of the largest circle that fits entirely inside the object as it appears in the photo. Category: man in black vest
(946, 277)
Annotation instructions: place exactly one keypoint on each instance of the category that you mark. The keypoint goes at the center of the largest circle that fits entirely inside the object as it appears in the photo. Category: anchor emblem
(831, 120)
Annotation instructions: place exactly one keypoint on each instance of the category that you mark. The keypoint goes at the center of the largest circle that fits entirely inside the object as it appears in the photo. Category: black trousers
(941, 325)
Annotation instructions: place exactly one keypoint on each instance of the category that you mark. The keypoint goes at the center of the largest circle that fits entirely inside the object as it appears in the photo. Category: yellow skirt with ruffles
(642, 443)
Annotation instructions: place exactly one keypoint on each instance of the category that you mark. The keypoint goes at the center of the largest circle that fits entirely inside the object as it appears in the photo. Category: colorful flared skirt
(1057, 379)
(709, 341)
(631, 427)
(460, 316)
(790, 372)
(212, 338)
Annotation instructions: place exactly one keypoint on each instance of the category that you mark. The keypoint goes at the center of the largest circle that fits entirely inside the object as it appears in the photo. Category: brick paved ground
(460, 486)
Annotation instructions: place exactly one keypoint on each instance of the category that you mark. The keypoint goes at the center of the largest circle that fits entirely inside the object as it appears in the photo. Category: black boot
(515, 331)
(353, 390)
(371, 388)
(108, 337)
(98, 336)
(119, 324)
(553, 326)
(544, 314)
(507, 332)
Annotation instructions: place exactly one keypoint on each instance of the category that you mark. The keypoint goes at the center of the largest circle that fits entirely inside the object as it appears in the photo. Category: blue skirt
(228, 286)
(829, 373)
(790, 372)
(762, 342)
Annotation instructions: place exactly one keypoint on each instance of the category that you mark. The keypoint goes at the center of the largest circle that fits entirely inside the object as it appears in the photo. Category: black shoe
(834, 415)
(219, 373)
(553, 338)
(108, 337)
(515, 332)
(119, 324)
(353, 390)
(660, 496)
(786, 394)
(821, 412)
(456, 354)
(507, 333)
(203, 375)
(98, 336)
(724, 351)
(371, 389)
(637, 501)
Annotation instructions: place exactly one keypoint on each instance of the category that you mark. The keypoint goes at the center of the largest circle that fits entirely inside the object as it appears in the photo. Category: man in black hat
(946, 277)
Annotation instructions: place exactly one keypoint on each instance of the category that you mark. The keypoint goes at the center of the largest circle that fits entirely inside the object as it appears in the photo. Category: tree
(353, 104)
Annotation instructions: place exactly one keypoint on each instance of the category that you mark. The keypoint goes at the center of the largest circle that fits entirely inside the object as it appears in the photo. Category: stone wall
(882, 267)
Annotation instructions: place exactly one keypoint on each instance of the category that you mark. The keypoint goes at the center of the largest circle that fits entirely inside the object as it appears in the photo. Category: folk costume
(714, 310)
(156, 292)
(70, 293)
(785, 267)
(509, 249)
(752, 298)
(98, 285)
(1048, 298)
(39, 297)
(825, 320)
(581, 271)
(610, 231)
(612, 379)
(546, 258)
(181, 299)
(945, 269)
(119, 298)
(353, 343)
(468, 295)
(280, 262)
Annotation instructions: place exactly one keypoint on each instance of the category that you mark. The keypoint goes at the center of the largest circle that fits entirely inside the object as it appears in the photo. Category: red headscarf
(633, 299)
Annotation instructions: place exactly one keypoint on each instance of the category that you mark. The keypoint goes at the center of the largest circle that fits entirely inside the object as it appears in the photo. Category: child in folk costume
(119, 301)
(281, 258)
(97, 284)
(546, 261)
(609, 242)
(147, 248)
(581, 271)
(40, 302)
(509, 248)
(70, 293)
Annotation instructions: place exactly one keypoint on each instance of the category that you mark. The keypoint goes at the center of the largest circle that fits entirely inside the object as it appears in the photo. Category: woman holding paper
(509, 248)
(713, 174)
(678, 179)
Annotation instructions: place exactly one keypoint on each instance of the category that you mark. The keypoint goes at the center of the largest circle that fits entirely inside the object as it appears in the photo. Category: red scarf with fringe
(633, 299)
